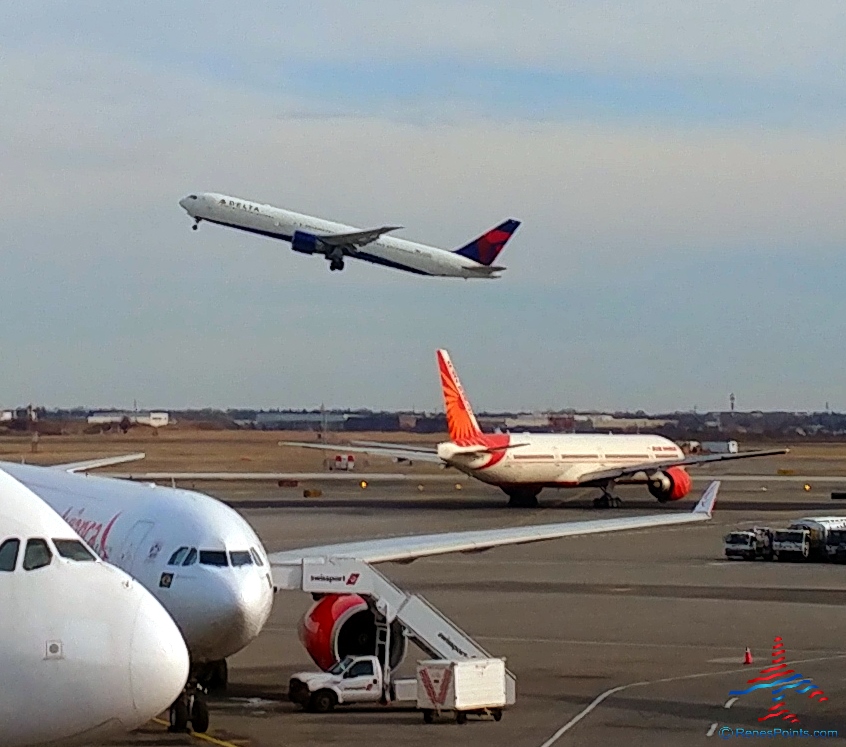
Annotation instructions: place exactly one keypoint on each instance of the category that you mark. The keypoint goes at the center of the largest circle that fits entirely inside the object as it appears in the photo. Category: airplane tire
(200, 715)
(178, 716)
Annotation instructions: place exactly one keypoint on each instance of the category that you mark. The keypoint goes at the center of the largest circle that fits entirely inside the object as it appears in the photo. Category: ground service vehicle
(819, 529)
(476, 686)
(472, 686)
(835, 546)
(791, 544)
(750, 544)
(354, 679)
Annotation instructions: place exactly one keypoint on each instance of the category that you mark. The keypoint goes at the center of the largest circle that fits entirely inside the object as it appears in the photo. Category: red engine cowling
(340, 625)
(670, 485)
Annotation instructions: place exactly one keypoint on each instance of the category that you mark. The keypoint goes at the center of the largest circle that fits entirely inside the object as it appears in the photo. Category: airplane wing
(693, 460)
(396, 451)
(358, 238)
(407, 549)
(285, 476)
(95, 463)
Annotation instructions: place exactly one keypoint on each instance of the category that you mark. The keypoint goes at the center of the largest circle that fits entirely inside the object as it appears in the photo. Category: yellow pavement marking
(204, 737)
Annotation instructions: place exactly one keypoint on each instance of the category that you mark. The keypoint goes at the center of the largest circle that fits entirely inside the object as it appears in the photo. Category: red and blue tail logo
(487, 247)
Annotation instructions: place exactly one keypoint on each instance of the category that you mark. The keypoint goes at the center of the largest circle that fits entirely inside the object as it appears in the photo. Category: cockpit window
(240, 557)
(36, 555)
(192, 557)
(73, 550)
(256, 556)
(192, 197)
(9, 554)
(178, 556)
(213, 557)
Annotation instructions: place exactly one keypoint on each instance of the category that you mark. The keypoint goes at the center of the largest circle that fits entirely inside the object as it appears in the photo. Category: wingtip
(708, 499)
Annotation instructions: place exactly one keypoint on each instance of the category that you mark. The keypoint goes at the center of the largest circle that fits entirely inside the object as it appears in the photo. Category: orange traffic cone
(747, 656)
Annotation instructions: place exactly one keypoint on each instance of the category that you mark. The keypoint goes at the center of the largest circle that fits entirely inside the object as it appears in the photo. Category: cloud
(662, 259)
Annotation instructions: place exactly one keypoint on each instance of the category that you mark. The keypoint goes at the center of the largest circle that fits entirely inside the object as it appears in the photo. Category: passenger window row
(38, 553)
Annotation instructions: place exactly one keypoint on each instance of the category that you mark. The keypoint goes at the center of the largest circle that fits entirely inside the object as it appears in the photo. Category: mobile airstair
(423, 624)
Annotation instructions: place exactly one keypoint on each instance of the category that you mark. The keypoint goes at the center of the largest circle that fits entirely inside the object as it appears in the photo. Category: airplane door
(133, 541)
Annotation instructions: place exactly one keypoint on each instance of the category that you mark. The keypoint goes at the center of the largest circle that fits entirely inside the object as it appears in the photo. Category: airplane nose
(242, 604)
(183, 203)
(158, 661)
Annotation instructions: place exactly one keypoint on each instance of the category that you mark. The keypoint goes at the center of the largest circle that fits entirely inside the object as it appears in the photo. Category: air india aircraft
(524, 464)
(86, 652)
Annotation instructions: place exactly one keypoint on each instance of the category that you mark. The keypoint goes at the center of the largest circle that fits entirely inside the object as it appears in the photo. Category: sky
(679, 169)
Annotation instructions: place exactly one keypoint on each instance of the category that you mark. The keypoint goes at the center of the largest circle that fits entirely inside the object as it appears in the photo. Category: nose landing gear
(196, 224)
(190, 708)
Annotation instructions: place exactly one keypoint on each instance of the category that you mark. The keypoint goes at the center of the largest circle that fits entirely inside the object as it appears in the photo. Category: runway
(634, 638)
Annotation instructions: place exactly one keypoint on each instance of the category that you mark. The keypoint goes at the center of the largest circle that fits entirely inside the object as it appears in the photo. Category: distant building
(153, 419)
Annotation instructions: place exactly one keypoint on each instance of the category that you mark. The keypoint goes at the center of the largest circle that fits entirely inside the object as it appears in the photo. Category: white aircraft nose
(183, 203)
(238, 606)
(158, 663)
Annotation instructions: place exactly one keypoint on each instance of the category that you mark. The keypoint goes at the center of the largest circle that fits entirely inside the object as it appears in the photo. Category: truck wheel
(497, 714)
(428, 716)
(322, 701)
(460, 717)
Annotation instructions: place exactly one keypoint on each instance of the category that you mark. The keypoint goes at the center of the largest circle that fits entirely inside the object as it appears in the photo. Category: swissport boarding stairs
(427, 627)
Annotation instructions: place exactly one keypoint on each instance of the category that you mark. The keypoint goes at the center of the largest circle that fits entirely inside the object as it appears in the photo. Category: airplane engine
(340, 625)
(307, 243)
(670, 485)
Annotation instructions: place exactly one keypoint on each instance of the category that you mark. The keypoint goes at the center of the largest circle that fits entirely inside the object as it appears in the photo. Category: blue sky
(679, 173)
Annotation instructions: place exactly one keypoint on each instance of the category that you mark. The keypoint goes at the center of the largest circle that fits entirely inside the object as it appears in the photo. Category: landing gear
(607, 499)
(190, 708)
(196, 224)
(214, 676)
(336, 258)
(522, 497)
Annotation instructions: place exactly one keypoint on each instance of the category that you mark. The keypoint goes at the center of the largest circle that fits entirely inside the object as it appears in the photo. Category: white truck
(475, 686)
(749, 544)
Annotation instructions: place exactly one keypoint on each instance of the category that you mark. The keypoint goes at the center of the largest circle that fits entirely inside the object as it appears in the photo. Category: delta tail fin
(487, 247)
(462, 424)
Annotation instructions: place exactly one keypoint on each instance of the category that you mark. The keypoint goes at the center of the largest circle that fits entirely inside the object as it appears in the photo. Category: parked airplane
(197, 556)
(86, 653)
(208, 568)
(523, 464)
(336, 241)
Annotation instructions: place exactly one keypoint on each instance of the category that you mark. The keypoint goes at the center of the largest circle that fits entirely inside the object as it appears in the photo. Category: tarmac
(634, 638)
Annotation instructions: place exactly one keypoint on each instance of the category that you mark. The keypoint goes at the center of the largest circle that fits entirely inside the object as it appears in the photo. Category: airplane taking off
(335, 241)
(523, 464)
(205, 564)
(86, 653)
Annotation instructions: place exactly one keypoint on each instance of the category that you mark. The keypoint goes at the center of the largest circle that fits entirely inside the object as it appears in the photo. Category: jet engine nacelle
(671, 484)
(340, 625)
(307, 243)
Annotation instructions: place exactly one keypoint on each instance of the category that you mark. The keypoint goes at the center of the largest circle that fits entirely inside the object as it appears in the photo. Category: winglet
(88, 464)
(709, 497)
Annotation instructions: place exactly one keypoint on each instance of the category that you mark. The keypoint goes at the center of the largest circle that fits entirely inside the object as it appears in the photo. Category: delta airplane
(523, 464)
(208, 568)
(86, 653)
(335, 241)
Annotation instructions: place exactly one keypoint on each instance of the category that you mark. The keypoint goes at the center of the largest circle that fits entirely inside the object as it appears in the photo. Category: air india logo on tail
(463, 428)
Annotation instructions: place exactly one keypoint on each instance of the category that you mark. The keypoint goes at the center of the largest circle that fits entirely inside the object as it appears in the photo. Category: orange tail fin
(463, 428)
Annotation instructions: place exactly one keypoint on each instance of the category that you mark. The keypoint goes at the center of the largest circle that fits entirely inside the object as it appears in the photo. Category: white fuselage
(277, 223)
(558, 460)
(86, 653)
(219, 606)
